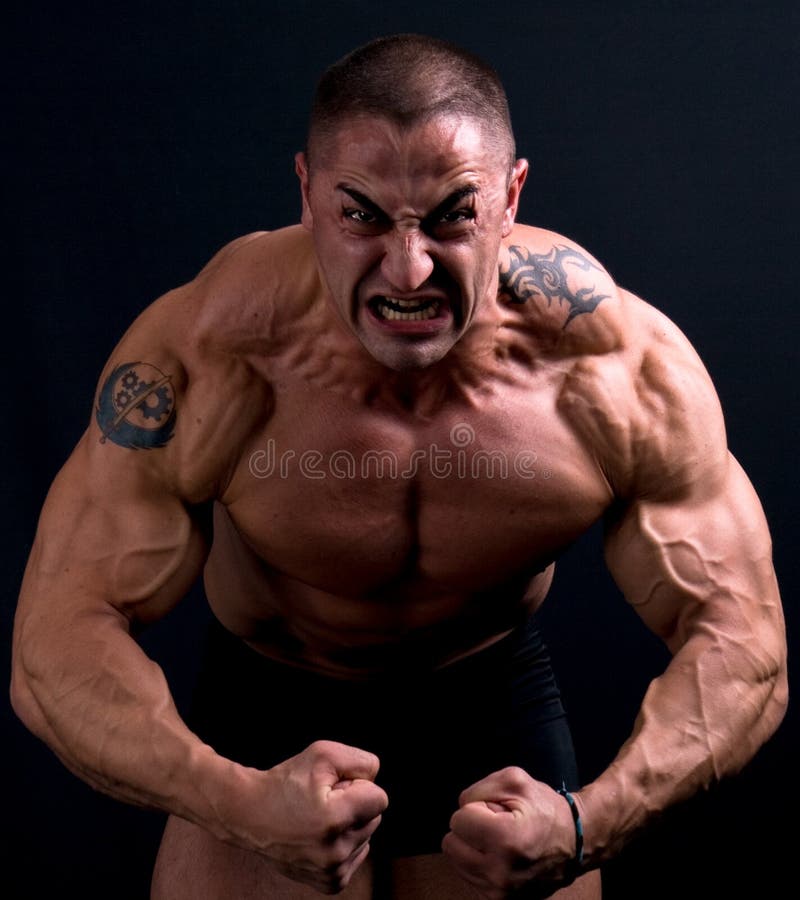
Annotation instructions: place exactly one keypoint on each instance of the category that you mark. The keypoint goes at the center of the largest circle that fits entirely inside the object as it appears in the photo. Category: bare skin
(294, 365)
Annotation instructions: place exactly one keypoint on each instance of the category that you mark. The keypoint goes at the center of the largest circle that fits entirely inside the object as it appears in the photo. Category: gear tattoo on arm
(136, 407)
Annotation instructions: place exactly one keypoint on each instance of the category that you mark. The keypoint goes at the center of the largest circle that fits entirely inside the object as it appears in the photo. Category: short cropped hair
(410, 79)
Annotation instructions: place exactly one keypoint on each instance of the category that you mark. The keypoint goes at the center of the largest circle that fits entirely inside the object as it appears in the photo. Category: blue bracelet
(577, 860)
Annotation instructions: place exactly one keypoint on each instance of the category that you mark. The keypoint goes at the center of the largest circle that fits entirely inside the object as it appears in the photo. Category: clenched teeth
(394, 309)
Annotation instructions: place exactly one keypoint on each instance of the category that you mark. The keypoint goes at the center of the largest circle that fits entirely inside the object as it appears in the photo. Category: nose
(406, 263)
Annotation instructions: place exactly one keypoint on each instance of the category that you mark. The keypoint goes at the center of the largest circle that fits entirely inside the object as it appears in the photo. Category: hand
(510, 832)
(317, 813)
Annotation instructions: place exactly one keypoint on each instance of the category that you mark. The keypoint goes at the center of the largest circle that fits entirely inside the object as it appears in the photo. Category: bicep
(112, 538)
(701, 563)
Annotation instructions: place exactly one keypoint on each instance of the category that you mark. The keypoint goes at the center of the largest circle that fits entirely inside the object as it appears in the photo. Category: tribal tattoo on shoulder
(136, 407)
(545, 275)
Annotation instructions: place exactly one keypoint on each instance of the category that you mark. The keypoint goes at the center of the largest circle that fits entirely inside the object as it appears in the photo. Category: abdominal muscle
(407, 624)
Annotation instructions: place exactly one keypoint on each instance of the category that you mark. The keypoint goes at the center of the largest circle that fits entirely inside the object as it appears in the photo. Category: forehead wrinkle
(410, 173)
(434, 147)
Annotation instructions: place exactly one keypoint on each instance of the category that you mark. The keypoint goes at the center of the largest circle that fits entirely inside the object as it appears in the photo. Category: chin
(408, 357)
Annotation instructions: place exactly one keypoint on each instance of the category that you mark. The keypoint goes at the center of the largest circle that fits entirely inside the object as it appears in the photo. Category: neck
(422, 391)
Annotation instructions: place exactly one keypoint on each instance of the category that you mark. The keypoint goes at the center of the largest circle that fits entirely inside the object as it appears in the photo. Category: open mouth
(392, 309)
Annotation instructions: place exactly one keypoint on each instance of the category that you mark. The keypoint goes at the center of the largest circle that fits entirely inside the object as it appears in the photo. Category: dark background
(663, 137)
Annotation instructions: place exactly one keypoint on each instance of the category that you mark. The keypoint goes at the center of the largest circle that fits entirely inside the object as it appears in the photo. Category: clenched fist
(313, 815)
(511, 831)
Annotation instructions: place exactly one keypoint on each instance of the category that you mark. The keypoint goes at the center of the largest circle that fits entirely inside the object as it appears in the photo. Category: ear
(518, 175)
(301, 167)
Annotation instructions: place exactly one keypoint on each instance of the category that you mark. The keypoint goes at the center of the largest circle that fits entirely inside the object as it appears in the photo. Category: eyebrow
(452, 200)
(363, 201)
(446, 205)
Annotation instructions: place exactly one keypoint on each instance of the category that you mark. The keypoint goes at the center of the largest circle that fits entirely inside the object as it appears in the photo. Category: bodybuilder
(373, 433)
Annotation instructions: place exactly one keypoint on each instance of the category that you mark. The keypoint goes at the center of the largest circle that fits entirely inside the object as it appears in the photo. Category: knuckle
(336, 879)
(319, 748)
(514, 777)
(338, 855)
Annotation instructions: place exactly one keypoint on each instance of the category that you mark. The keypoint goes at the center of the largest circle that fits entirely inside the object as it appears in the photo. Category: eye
(457, 216)
(455, 223)
(359, 216)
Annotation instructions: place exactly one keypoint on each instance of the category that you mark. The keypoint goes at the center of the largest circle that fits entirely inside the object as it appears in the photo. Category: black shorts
(435, 733)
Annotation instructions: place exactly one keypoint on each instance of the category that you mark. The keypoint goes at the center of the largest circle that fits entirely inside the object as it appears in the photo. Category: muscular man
(345, 425)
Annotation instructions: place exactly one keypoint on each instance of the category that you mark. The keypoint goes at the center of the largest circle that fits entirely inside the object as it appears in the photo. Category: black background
(663, 137)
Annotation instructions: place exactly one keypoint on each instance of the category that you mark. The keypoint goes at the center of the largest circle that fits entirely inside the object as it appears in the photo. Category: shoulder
(181, 381)
(561, 290)
(551, 254)
(676, 418)
(649, 408)
(633, 386)
(238, 301)
(254, 281)
(261, 254)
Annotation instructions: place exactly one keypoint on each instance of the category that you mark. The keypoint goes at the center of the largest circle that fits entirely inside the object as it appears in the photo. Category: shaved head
(410, 79)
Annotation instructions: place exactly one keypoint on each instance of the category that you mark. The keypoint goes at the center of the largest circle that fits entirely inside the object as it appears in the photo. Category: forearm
(88, 690)
(717, 702)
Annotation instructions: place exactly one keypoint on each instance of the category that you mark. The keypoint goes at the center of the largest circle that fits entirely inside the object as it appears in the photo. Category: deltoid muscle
(545, 275)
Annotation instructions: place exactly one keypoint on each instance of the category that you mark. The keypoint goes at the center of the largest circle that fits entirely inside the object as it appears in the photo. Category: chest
(353, 500)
